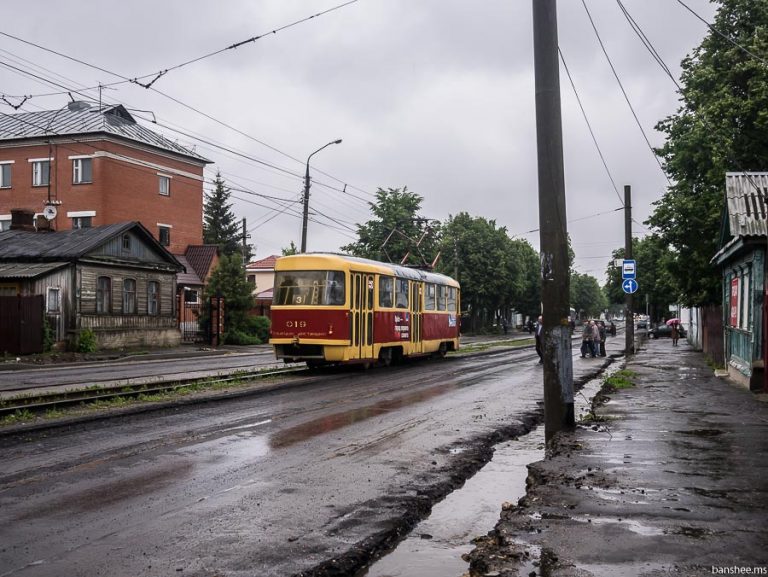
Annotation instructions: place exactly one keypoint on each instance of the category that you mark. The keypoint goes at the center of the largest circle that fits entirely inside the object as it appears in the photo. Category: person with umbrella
(675, 325)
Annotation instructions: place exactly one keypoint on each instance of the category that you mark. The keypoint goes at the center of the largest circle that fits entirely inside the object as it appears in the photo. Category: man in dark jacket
(539, 328)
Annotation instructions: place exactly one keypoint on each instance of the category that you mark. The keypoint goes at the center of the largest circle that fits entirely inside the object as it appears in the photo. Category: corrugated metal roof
(28, 270)
(115, 120)
(747, 197)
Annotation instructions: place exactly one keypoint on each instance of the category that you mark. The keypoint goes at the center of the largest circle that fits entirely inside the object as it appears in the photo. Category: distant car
(664, 330)
(642, 324)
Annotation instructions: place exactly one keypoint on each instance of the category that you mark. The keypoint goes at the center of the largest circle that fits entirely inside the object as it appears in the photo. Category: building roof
(265, 295)
(15, 270)
(200, 258)
(189, 278)
(747, 198)
(70, 245)
(78, 118)
(267, 263)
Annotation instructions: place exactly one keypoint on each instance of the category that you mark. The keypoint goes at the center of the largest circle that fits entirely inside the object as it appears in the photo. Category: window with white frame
(53, 300)
(165, 185)
(164, 234)
(82, 170)
(5, 222)
(41, 172)
(5, 174)
(82, 222)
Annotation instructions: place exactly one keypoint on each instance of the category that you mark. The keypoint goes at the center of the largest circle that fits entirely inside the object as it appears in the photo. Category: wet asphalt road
(271, 484)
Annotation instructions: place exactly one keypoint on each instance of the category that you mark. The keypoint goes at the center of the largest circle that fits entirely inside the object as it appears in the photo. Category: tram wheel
(385, 357)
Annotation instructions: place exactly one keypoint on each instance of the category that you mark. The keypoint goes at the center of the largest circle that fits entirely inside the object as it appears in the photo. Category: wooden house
(116, 280)
(741, 256)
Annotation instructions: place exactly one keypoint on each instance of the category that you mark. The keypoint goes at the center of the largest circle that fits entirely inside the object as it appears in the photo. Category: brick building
(98, 166)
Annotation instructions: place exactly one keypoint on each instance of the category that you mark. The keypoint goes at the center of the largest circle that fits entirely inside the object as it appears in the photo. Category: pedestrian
(675, 333)
(529, 325)
(539, 348)
(594, 343)
(586, 340)
(504, 325)
(603, 334)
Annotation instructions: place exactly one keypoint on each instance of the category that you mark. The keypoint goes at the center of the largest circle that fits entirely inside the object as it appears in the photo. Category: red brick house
(98, 166)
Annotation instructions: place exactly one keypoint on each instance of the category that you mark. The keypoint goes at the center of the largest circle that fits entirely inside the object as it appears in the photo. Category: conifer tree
(220, 226)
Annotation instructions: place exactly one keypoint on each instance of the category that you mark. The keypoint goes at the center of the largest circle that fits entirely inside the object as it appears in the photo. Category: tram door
(416, 314)
(362, 315)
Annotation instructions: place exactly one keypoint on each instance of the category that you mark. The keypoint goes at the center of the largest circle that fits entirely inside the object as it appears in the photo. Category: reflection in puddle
(329, 423)
(435, 546)
(632, 525)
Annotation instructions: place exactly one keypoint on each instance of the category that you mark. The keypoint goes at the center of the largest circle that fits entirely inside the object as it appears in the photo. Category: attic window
(127, 242)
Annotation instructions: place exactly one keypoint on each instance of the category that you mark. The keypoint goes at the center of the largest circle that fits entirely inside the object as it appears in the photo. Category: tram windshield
(309, 288)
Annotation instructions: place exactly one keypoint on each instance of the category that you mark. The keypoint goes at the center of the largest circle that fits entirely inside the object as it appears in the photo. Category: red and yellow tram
(330, 308)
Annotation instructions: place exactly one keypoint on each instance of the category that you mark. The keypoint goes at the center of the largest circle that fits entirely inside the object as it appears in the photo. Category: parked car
(642, 324)
(664, 330)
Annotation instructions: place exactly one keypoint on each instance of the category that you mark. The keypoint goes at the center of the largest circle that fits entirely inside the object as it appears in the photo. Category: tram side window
(429, 299)
(451, 298)
(441, 290)
(401, 293)
(386, 289)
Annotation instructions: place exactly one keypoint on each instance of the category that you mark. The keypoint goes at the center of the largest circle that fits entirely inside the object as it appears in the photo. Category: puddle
(630, 524)
(435, 546)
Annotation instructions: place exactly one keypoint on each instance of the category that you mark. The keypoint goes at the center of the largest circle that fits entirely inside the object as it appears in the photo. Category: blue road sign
(628, 270)
(630, 285)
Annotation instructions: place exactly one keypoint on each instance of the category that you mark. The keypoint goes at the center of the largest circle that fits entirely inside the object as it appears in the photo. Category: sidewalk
(674, 482)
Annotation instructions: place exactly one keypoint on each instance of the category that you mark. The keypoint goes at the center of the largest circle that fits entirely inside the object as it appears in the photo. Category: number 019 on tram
(331, 308)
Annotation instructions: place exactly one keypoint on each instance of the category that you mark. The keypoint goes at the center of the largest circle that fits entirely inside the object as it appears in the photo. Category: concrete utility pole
(629, 317)
(555, 281)
(245, 241)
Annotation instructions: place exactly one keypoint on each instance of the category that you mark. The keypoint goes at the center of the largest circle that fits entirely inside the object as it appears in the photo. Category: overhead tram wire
(125, 79)
(624, 92)
(589, 126)
(572, 220)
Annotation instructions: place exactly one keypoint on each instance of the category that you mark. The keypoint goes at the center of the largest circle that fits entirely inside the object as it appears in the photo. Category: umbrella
(674, 321)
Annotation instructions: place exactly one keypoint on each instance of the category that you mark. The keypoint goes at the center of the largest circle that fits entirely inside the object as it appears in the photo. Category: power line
(624, 92)
(591, 132)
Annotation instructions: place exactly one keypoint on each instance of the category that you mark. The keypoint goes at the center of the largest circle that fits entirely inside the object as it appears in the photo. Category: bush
(86, 341)
(258, 327)
(240, 338)
(48, 336)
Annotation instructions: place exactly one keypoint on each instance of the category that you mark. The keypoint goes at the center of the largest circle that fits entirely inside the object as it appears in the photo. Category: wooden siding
(87, 290)
(139, 250)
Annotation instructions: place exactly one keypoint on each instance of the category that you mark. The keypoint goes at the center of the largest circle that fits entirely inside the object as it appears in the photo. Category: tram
(331, 308)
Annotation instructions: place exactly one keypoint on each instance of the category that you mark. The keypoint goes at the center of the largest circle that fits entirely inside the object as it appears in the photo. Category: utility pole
(245, 241)
(555, 281)
(307, 182)
(629, 317)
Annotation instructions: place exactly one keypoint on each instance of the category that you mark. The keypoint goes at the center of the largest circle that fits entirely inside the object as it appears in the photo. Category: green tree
(497, 274)
(586, 295)
(228, 280)
(396, 229)
(220, 226)
(720, 127)
(290, 250)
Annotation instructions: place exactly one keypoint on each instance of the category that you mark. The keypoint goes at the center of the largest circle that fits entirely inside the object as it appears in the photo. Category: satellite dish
(49, 212)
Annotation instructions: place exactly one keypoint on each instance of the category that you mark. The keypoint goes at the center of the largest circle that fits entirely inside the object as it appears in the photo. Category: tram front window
(309, 288)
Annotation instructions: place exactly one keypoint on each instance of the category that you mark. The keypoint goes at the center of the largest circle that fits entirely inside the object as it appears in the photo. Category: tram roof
(371, 265)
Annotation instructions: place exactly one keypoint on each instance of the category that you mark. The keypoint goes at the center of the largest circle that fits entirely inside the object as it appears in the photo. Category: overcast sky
(435, 95)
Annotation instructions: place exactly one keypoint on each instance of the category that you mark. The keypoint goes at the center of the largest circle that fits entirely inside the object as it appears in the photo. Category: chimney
(22, 219)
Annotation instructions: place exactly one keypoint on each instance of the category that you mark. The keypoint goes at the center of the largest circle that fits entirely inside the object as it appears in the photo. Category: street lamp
(306, 198)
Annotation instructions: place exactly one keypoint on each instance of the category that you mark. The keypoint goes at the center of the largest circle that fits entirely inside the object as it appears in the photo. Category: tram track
(37, 404)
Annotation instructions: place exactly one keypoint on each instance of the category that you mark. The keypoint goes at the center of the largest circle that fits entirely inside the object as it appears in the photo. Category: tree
(396, 230)
(290, 250)
(720, 127)
(586, 295)
(497, 274)
(220, 226)
(228, 280)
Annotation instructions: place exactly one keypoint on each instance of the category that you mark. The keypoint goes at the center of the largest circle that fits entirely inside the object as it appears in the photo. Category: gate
(22, 320)
(189, 322)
